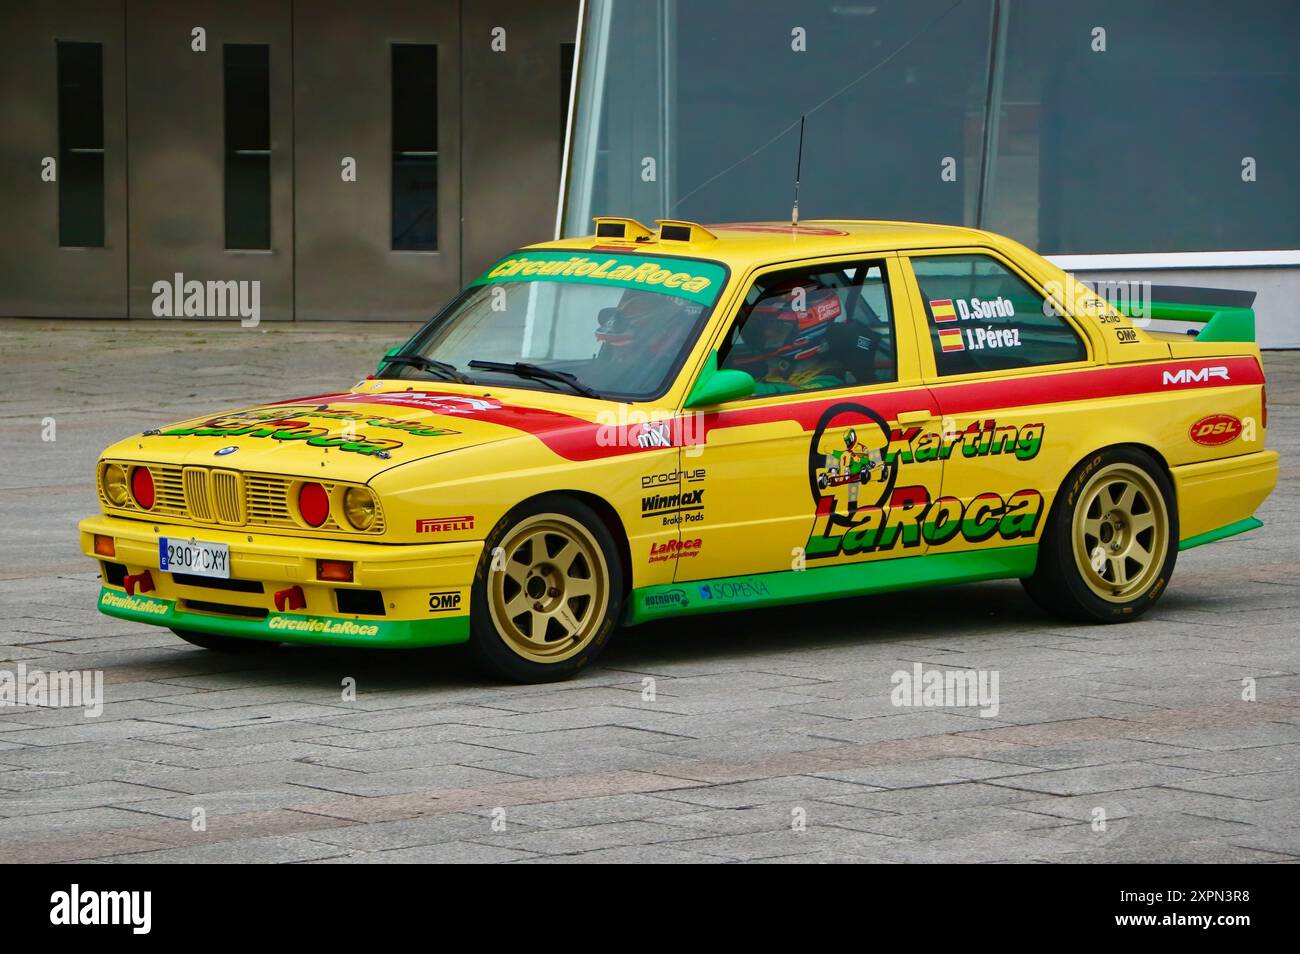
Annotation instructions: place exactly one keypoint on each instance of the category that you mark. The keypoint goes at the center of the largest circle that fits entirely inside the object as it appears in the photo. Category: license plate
(196, 557)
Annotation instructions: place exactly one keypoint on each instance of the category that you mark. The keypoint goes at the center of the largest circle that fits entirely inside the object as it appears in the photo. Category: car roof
(743, 244)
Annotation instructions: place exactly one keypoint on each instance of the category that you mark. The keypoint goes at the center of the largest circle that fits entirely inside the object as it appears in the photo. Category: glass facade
(1099, 127)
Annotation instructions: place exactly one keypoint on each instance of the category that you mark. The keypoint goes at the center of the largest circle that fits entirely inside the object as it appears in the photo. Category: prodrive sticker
(688, 278)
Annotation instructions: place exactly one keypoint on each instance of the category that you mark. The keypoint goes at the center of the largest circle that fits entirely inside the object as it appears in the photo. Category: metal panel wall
(331, 90)
(37, 277)
(513, 124)
(346, 268)
(177, 178)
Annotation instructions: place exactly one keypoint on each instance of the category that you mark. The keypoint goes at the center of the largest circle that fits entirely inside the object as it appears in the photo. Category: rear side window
(981, 316)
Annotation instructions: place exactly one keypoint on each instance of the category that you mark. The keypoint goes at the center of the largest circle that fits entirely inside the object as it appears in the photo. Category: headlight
(359, 507)
(115, 485)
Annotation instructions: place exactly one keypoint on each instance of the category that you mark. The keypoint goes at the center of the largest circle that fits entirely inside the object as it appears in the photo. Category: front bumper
(421, 592)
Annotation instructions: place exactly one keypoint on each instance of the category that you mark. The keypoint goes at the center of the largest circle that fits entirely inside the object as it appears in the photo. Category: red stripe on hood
(577, 439)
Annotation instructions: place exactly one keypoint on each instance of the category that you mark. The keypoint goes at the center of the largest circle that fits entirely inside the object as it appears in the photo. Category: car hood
(358, 433)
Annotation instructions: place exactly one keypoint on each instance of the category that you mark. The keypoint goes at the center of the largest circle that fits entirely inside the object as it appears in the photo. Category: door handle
(915, 417)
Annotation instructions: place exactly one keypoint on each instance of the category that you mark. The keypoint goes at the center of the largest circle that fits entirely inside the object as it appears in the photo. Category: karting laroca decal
(854, 464)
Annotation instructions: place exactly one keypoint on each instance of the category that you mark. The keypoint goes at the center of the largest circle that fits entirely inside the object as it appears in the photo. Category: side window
(813, 328)
(984, 317)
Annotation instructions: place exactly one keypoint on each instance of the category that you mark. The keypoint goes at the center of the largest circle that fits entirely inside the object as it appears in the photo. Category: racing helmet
(640, 320)
(775, 329)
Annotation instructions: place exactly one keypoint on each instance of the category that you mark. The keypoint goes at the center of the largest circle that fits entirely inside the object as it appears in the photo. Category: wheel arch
(608, 516)
(1147, 449)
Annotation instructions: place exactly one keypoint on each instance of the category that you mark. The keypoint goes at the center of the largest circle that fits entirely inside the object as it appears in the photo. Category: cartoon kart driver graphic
(849, 464)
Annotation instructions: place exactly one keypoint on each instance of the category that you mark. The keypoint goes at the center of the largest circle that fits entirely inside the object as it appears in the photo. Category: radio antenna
(798, 166)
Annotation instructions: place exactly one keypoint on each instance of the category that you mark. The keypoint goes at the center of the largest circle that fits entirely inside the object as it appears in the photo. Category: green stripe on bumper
(829, 582)
(1231, 530)
(290, 627)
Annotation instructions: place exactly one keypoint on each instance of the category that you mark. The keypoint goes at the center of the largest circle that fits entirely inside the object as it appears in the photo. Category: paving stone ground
(769, 736)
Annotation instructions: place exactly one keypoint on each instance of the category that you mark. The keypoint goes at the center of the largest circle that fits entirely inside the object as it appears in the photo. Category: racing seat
(853, 345)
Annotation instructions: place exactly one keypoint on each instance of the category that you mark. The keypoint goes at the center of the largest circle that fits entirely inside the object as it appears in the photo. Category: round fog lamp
(313, 504)
(359, 507)
(142, 487)
(115, 485)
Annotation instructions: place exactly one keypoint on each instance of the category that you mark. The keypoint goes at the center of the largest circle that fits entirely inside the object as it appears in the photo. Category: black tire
(1074, 564)
(498, 641)
(224, 644)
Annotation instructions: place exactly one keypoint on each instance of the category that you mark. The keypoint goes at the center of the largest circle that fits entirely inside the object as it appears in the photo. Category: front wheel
(1111, 542)
(548, 592)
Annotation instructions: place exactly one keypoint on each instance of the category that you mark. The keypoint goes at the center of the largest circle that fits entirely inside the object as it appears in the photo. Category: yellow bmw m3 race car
(650, 422)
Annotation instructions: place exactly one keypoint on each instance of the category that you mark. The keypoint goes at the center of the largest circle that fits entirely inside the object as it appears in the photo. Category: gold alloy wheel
(1120, 533)
(548, 588)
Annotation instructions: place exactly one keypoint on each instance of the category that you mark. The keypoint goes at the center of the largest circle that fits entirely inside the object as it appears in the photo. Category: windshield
(614, 325)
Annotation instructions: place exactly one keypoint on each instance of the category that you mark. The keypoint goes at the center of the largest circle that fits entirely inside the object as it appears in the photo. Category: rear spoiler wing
(1225, 314)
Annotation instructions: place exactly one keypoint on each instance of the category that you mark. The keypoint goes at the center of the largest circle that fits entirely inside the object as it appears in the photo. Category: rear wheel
(224, 644)
(548, 592)
(1111, 542)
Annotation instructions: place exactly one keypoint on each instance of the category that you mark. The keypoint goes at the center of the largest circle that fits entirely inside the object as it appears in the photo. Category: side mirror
(715, 386)
(387, 354)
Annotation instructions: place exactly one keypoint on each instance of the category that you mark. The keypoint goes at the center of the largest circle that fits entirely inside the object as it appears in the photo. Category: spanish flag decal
(950, 339)
(942, 310)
